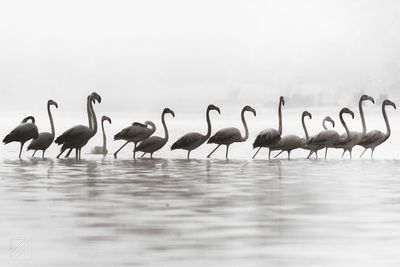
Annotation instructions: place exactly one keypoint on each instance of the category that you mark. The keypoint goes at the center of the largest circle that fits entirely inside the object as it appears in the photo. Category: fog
(149, 54)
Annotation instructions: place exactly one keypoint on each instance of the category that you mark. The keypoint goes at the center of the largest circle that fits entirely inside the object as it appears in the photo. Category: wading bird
(191, 141)
(22, 133)
(313, 147)
(356, 137)
(375, 138)
(270, 137)
(291, 142)
(155, 143)
(344, 138)
(102, 149)
(78, 136)
(44, 139)
(231, 135)
(135, 134)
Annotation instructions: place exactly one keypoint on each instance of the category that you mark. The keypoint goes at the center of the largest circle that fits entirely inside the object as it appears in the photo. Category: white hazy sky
(140, 54)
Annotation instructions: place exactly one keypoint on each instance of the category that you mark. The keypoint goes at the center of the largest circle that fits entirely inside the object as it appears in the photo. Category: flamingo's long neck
(208, 125)
(388, 132)
(165, 127)
(53, 132)
(246, 130)
(93, 116)
(364, 126)
(344, 126)
(324, 125)
(88, 112)
(104, 137)
(280, 117)
(305, 129)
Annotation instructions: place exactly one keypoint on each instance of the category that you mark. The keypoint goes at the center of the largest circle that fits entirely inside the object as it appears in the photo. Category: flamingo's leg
(34, 152)
(351, 154)
(256, 152)
(134, 151)
(363, 152)
(326, 152)
(76, 154)
(188, 154)
(372, 152)
(209, 155)
(116, 152)
(344, 151)
(227, 149)
(69, 152)
(278, 154)
(309, 154)
(62, 151)
(20, 150)
(269, 154)
(43, 153)
(288, 154)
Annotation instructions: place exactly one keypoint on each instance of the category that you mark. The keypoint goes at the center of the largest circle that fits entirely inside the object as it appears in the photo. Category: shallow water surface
(173, 212)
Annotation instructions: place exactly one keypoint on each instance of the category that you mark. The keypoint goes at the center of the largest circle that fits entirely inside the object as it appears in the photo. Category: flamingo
(44, 139)
(291, 142)
(191, 141)
(89, 120)
(375, 138)
(270, 137)
(330, 138)
(155, 143)
(344, 138)
(313, 147)
(102, 149)
(231, 135)
(22, 133)
(356, 137)
(135, 133)
(78, 136)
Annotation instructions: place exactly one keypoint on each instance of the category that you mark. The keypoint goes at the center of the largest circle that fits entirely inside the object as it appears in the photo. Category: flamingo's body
(23, 133)
(191, 141)
(44, 139)
(78, 136)
(155, 143)
(102, 149)
(375, 138)
(291, 142)
(270, 137)
(135, 133)
(231, 135)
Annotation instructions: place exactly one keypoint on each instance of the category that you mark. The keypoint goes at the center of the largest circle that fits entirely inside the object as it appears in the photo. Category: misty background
(144, 55)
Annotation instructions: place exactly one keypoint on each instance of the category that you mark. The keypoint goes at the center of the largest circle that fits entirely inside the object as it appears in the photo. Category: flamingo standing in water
(270, 137)
(326, 134)
(155, 143)
(44, 139)
(330, 138)
(356, 137)
(23, 133)
(375, 138)
(102, 149)
(78, 136)
(291, 142)
(231, 135)
(191, 141)
(344, 138)
(135, 133)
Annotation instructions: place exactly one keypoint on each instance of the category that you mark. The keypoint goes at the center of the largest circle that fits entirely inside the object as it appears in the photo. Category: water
(173, 212)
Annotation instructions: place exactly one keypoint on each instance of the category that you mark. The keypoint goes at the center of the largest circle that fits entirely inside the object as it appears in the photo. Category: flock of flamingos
(141, 134)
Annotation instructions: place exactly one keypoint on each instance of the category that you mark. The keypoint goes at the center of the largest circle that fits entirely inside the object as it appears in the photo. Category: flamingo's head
(147, 123)
(282, 100)
(95, 96)
(367, 97)
(29, 118)
(348, 111)
(52, 102)
(139, 124)
(105, 118)
(387, 102)
(328, 118)
(307, 114)
(252, 110)
(167, 110)
(212, 107)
